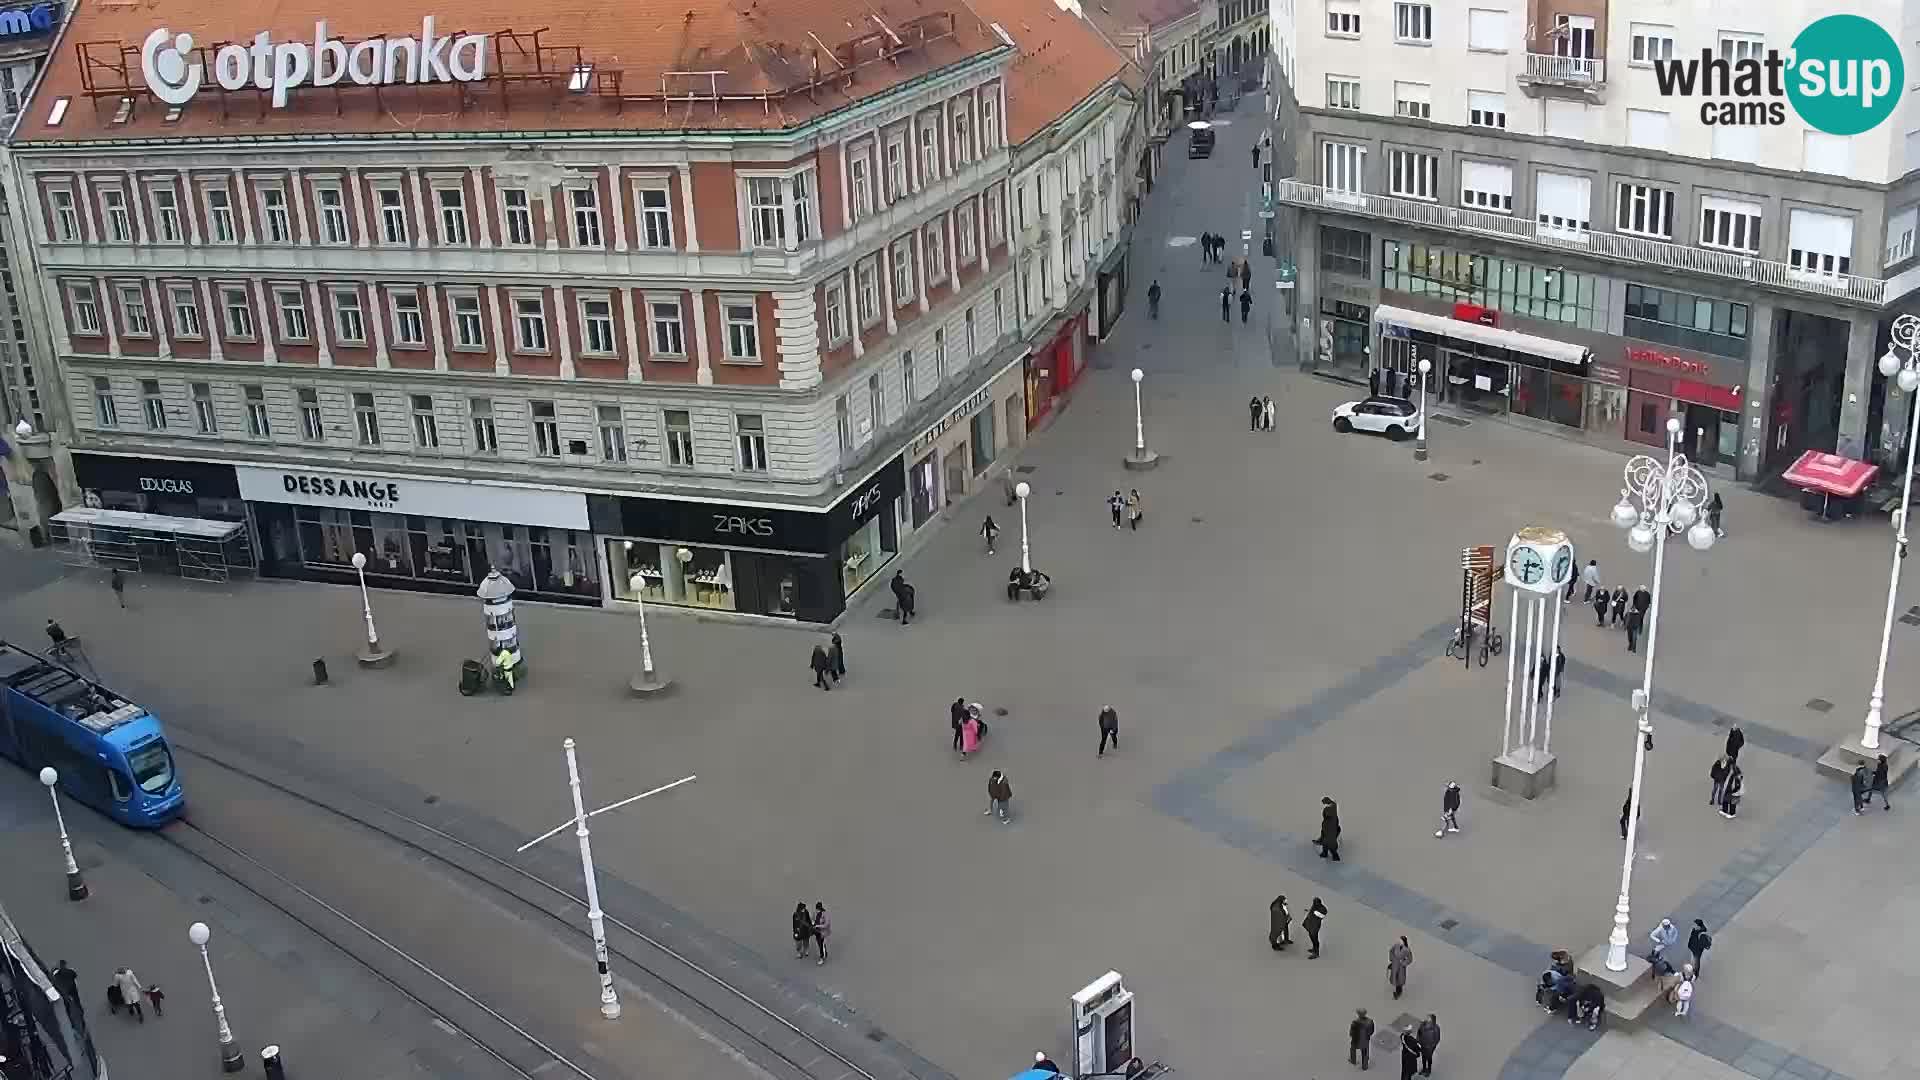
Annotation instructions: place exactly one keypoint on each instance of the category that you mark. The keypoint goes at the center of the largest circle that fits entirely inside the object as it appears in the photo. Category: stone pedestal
(1629, 993)
(1529, 779)
(1841, 758)
(1140, 460)
(374, 655)
(648, 684)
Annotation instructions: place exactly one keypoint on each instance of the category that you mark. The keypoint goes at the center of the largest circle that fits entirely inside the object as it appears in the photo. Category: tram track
(729, 1015)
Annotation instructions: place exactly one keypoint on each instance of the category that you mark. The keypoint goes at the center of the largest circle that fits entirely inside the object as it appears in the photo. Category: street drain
(1024, 468)
(1437, 476)
(1448, 924)
(1820, 705)
(1443, 418)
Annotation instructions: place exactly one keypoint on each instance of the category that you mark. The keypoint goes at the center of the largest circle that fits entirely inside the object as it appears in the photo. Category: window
(1735, 47)
(152, 406)
(962, 139)
(1343, 92)
(1900, 229)
(519, 216)
(940, 351)
(238, 311)
(186, 311)
(393, 215)
(486, 437)
(1413, 23)
(1486, 108)
(134, 320)
(166, 214)
(743, 329)
(1644, 210)
(586, 216)
(929, 154)
(1824, 153)
(1341, 165)
(1650, 43)
(1819, 243)
(546, 430)
(258, 425)
(409, 329)
(656, 220)
(996, 220)
(679, 426)
(1690, 322)
(1563, 203)
(1574, 36)
(1413, 174)
(834, 299)
(800, 186)
(1413, 100)
(866, 286)
(203, 415)
(965, 240)
(860, 184)
(119, 223)
(896, 170)
(220, 215)
(1647, 128)
(1729, 224)
(292, 305)
(66, 219)
(1565, 119)
(902, 257)
(366, 420)
(767, 210)
(1345, 251)
(530, 323)
(596, 327)
(468, 332)
(934, 244)
(989, 121)
(843, 424)
(105, 412)
(1486, 30)
(909, 383)
(333, 214)
(311, 428)
(453, 215)
(349, 322)
(1486, 186)
(876, 403)
(752, 434)
(668, 339)
(274, 214)
(613, 433)
(1736, 142)
(1343, 18)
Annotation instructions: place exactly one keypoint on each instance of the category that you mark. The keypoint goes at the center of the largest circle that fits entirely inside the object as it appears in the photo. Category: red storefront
(1052, 369)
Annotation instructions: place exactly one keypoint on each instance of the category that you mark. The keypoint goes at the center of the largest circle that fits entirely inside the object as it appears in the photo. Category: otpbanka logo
(279, 67)
(1843, 76)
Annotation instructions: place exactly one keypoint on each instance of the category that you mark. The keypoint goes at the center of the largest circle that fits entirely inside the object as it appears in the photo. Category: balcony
(1613, 247)
(1583, 75)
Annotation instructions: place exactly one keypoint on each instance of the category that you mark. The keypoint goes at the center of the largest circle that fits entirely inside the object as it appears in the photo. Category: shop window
(671, 574)
(1686, 320)
(1345, 251)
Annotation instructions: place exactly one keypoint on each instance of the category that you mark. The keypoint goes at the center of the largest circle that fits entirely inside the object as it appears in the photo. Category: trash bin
(319, 672)
(270, 1058)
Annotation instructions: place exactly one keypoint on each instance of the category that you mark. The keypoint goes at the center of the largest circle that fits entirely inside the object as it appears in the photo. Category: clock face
(1562, 565)
(1527, 566)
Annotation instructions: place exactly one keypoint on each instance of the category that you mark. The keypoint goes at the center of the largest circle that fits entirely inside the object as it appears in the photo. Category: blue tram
(110, 752)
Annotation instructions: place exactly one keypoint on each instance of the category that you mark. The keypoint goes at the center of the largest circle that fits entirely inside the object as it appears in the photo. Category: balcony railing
(1577, 71)
(1611, 246)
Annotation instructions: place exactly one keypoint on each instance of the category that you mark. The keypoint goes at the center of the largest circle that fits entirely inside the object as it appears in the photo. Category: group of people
(1213, 248)
(810, 928)
(1868, 784)
(1226, 302)
(1417, 1044)
(1128, 506)
(1623, 607)
(1559, 990)
(1280, 925)
(1260, 413)
(1729, 780)
(968, 730)
(829, 662)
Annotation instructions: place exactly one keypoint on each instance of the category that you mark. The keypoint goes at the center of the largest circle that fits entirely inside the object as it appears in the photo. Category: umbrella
(1198, 125)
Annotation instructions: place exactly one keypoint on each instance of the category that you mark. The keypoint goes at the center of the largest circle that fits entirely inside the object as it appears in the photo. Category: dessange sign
(281, 66)
(348, 489)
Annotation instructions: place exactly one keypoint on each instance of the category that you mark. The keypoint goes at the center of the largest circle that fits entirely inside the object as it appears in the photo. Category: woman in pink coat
(970, 734)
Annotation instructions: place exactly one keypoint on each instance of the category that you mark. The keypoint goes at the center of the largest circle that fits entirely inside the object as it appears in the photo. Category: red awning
(1830, 474)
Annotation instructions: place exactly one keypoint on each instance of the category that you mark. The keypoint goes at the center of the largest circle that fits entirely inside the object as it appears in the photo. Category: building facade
(622, 334)
(1515, 196)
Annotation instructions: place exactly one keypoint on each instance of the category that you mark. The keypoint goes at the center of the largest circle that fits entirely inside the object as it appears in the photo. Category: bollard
(319, 673)
(270, 1058)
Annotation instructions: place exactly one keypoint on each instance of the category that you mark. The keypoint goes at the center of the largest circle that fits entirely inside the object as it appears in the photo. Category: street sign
(1283, 284)
(1246, 234)
(1266, 213)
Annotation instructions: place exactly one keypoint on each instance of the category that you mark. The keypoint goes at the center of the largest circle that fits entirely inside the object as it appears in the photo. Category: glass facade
(1687, 321)
(869, 548)
(1547, 293)
(537, 560)
(678, 574)
(1345, 251)
(1345, 337)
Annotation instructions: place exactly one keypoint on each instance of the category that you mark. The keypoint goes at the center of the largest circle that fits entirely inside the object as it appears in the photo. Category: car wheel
(1396, 433)
(1342, 425)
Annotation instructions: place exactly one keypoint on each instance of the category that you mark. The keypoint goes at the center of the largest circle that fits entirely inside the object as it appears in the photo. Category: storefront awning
(1830, 474)
(1440, 325)
(158, 525)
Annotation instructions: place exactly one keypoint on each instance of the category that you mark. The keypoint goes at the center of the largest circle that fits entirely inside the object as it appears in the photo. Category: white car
(1396, 418)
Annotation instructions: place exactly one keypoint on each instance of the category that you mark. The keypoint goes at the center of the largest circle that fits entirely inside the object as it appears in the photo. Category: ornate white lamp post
(373, 655)
(231, 1059)
(1420, 441)
(1900, 363)
(1141, 458)
(1021, 490)
(1659, 498)
(76, 886)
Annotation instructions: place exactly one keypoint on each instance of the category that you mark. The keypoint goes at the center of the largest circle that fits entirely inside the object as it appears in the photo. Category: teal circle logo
(1846, 75)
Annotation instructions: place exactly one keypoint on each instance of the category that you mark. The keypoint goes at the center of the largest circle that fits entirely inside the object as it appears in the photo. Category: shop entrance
(924, 485)
(956, 474)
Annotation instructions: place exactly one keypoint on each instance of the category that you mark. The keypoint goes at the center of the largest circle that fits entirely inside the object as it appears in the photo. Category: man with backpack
(1698, 942)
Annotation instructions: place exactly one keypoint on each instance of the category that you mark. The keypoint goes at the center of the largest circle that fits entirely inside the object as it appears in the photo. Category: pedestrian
(1664, 937)
(1602, 600)
(958, 712)
(999, 795)
(1226, 303)
(1730, 798)
(1359, 1036)
(1246, 276)
(1109, 729)
(68, 981)
(1256, 157)
(1206, 248)
(1619, 605)
(56, 634)
(1642, 601)
(1409, 1053)
(837, 653)
(1735, 740)
(1153, 298)
(1559, 667)
(822, 666)
(1429, 1032)
(802, 929)
(1246, 304)
(1449, 810)
(1626, 808)
(118, 583)
(1572, 581)
(822, 926)
(131, 992)
(1399, 959)
(1538, 672)
(157, 999)
(1266, 413)
(1635, 620)
(1718, 774)
(1316, 916)
(1135, 511)
(1591, 578)
(1044, 1064)
(1373, 383)
(1858, 782)
(902, 597)
(1116, 504)
(970, 732)
(1683, 993)
(1879, 784)
(1329, 841)
(1279, 924)
(1715, 508)
(1698, 942)
(1254, 413)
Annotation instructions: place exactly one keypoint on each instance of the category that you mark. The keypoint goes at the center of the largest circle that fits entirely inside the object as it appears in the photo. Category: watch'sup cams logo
(1842, 76)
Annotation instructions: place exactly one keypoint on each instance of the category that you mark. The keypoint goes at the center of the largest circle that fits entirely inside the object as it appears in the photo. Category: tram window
(152, 767)
(121, 793)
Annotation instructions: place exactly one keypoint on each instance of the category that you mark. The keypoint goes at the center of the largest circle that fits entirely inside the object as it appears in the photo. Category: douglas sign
(165, 62)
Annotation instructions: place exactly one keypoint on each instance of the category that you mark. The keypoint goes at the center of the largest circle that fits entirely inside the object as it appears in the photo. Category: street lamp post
(1904, 370)
(1021, 490)
(648, 682)
(1420, 441)
(596, 919)
(76, 887)
(1658, 499)
(1141, 458)
(373, 655)
(231, 1060)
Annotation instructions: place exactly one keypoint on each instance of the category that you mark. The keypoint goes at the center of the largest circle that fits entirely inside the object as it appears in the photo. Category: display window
(678, 574)
(865, 552)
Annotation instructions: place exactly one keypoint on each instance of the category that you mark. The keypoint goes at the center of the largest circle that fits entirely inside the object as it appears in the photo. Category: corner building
(649, 309)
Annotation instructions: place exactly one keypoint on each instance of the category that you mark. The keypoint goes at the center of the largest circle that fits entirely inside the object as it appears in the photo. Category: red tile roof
(1063, 60)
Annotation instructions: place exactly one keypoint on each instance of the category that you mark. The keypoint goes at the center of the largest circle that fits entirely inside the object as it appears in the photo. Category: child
(1683, 994)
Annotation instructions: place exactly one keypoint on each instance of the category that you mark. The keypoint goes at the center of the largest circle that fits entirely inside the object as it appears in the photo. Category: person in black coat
(1329, 840)
(1879, 785)
(1559, 666)
(1735, 740)
(959, 711)
(1642, 600)
(1626, 807)
(1360, 1039)
(1316, 915)
(1619, 605)
(1109, 729)
(1255, 411)
(822, 667)
(802, 929)
(902, 597)
(1409, 1054)
(1636, 620)
(837, 652)
(1279, 924)
(1226, 303)
(1602, 600)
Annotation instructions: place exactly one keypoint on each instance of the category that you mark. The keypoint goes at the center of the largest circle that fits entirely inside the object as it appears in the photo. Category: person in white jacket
(1664, 937)
(1683, 994)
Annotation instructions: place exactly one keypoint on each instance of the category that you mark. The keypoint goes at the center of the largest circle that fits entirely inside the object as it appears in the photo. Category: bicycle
(1491, 644)
(1462, 642)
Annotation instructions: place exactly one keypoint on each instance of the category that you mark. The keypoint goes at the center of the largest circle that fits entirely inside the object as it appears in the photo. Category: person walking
(1559, 668)
(1635, 620)
(1409, 1054)
(1109, 729)
(131, 992)
(1135, 511)
(1226, 303)
(1256, 157)
(118, 583)
(1266, 413)
(1858, 782)
(1246, 275)
(1735, 740)
(999, 796)
(1279, 924)
(1718, 774)
(1316, 917)
(1429, 1032)
(1879, 784)
(802, 929)
(1399, 959)
(990, 529)
(1246, 303)
(1642, 600)
(67, 981)
(1602, 600)
(1715, 508)
(822, 927)
(958, 711)
(902, 597)
(1329, 840)
(970, 732)
(1698, 942)
(837, 652)
(1254, 413)
(1590, 577)
(1206, 248)
(1449, 810)
(1573, 582)
(822, 666)
(1683, 993)
(1730, 798)
(1626, 807)
(1619, 605)
(1116, 504)
(1153, 298)
(1359, 1040)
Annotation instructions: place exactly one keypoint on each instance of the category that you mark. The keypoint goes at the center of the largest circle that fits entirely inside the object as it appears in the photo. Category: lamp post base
(76, 887)
(1841, 758)
(231, 1059)
(1420, 448)
(1141, 460)
(1630, 993)
(373, 655)
(649, 684)
(1513, 773)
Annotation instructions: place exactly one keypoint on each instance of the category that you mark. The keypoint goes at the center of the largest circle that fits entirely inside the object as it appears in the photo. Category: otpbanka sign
(281, 66)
